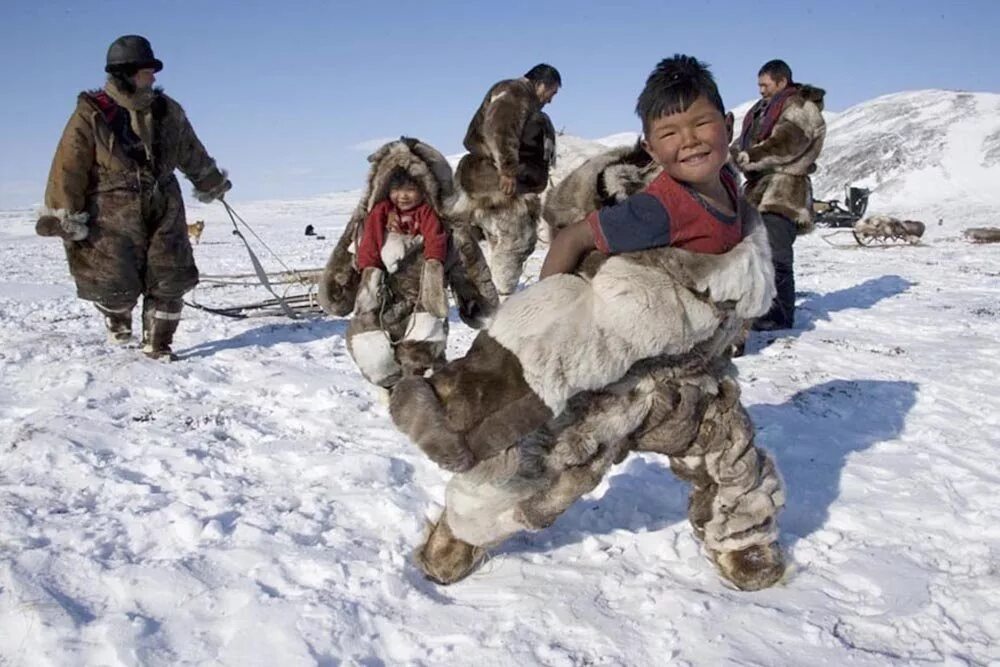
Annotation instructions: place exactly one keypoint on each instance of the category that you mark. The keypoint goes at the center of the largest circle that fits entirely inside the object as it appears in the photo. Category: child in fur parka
(394, 262)
(630, 353)
(400, 325)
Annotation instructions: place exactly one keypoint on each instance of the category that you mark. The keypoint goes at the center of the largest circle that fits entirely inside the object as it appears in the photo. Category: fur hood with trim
(421, 161)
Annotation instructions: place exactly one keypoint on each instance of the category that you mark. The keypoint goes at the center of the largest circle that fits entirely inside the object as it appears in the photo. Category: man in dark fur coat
(511, 145)
(114, 199)
(782, 137)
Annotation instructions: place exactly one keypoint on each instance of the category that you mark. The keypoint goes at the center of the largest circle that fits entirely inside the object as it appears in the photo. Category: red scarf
(107, 105)
(771, 115)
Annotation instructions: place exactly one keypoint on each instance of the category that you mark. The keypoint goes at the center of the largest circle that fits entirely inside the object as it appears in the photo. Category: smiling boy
(693, 203)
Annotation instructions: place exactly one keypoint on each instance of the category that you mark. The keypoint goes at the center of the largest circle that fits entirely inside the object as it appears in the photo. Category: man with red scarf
(782, 137)
(113, 198)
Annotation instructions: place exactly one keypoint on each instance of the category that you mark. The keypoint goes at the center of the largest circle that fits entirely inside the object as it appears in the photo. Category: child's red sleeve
(373, 237)
(435, 235)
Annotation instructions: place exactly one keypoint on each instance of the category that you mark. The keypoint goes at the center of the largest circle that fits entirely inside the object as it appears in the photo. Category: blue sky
(283, 94)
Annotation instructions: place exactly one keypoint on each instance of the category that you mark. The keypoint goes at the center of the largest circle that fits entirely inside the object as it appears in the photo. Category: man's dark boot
(160, 318)
(118, 322)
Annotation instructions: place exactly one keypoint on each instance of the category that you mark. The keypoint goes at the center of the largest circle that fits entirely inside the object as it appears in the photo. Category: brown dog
(195, 230)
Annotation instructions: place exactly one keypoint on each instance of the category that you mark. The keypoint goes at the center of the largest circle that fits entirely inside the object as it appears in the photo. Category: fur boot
(118, 322)
(752, 569)
(445, 559)
(160, 318)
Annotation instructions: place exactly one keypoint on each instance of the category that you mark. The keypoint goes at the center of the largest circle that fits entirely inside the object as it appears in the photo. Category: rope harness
(285, 303)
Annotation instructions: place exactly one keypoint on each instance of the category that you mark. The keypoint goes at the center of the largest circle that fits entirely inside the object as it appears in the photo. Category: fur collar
(136, 100)
(812, 94)
(139, 104)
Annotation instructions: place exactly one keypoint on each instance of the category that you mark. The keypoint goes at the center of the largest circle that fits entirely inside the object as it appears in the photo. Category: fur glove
(433, 297)
(68, 226)
(369, 298)
(210, 193)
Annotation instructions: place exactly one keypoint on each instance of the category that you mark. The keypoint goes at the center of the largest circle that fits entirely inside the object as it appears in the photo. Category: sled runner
(298, 296)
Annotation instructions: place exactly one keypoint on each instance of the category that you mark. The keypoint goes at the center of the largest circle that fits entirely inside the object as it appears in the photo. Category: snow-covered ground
(251, 504)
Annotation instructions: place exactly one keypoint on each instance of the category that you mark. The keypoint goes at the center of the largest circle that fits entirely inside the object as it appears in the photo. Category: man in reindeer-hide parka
(113, 198)
(511, 145)
(782, 136)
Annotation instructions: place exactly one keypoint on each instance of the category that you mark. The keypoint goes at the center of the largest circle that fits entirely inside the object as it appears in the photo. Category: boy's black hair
(545, 74)
(776, 69)
(673, 86)
(399, 178)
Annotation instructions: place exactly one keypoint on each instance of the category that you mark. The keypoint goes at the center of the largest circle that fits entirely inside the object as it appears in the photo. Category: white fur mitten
(396, 247)
(210, 193)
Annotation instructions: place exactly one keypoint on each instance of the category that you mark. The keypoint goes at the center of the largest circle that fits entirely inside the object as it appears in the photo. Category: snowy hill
(933, 153)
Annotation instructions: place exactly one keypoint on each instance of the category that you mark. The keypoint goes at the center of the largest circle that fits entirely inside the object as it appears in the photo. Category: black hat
(131, 52)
